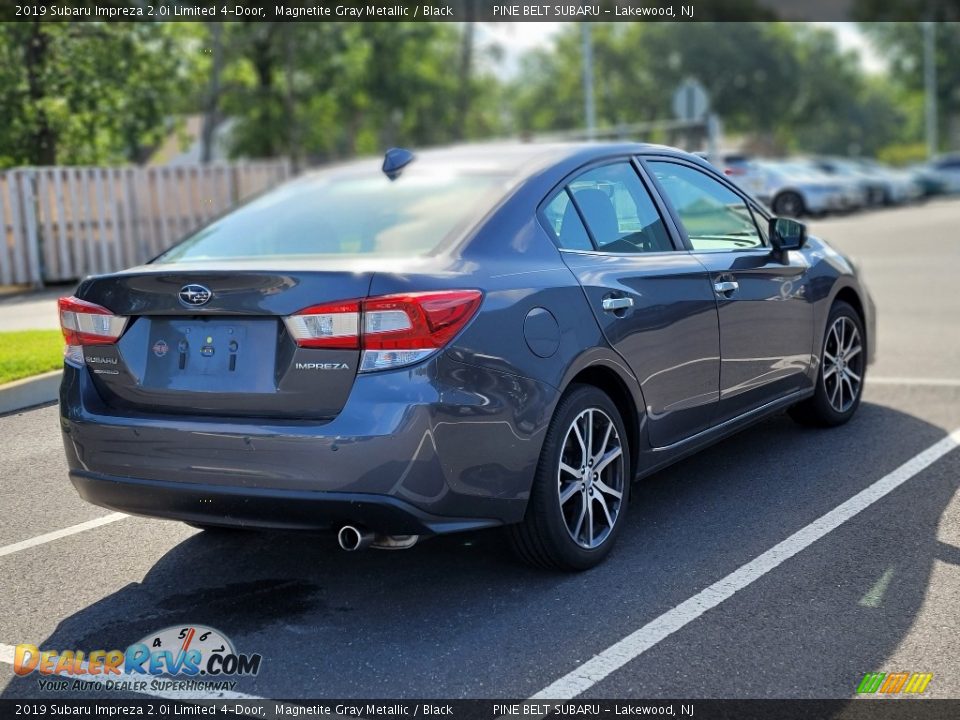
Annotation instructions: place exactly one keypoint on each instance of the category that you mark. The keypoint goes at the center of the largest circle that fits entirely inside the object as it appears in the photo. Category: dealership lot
(458, 617)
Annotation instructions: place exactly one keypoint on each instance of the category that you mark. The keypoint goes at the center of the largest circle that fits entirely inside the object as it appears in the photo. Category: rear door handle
(726, 287)
(613, 304)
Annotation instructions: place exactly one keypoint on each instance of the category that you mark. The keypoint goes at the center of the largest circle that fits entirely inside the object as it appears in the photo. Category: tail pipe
(351, 538)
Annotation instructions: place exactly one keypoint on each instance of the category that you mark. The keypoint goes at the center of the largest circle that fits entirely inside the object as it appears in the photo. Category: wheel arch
(851, 297)
(619, 384)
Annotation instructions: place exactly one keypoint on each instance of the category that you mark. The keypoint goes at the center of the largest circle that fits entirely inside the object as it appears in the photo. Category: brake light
(734, 171)
(391, 330)
(403, 329)
(84, 323)
(334, 326)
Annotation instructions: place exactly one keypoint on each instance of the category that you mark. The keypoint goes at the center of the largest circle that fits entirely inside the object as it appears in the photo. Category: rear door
(766, 318)
(653, 301)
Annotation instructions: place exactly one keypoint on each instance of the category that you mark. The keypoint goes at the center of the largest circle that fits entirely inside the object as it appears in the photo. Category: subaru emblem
(195, 295)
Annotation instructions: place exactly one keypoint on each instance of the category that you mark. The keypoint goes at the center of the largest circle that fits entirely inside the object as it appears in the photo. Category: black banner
(580, 709)
(475, 10)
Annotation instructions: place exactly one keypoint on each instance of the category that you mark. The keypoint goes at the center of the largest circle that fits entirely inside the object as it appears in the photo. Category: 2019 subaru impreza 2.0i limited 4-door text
(473, 337)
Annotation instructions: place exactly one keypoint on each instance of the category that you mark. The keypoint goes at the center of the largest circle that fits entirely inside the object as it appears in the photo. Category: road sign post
(691, 104)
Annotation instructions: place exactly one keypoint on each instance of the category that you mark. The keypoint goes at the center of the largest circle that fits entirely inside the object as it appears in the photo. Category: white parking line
(638, 642)
(7, 656)
(57, 534)
(929, 382)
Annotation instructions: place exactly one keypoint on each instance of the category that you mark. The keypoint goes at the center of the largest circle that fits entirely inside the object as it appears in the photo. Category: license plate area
(211, 355)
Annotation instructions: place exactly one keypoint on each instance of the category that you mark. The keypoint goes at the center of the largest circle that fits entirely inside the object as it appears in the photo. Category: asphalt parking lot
(458, 617)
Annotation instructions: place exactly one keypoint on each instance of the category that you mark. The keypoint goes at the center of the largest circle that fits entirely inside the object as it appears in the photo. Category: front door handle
(726, 288)
(612, 304)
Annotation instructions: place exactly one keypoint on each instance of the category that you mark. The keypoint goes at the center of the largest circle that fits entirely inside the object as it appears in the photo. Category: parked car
(872, 190)
(475, 337)
(898, 186)
(854, 194)
(794, 189)
(945, 171)
(932, 182)
(745, 172)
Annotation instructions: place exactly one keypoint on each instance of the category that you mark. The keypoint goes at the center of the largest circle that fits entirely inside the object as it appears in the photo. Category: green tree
(88, 92)
(319, 91)
(789, 84)
(903, 44)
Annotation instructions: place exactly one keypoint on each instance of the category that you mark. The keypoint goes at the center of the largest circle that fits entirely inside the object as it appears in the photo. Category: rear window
(347, 215)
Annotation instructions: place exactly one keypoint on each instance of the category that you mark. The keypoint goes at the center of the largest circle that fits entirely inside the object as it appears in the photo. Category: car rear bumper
(439, 446)
(264, 508)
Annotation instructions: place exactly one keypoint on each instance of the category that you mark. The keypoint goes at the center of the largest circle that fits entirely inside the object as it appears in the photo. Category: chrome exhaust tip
(353, 538)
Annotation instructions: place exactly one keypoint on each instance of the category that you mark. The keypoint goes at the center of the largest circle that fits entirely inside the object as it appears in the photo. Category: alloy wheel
(842, 364)
(591, 478)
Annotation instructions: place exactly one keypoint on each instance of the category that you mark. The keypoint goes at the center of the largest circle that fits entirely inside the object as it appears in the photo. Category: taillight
(392, 330)
(84, 323)
(334, 325)
(403, 329)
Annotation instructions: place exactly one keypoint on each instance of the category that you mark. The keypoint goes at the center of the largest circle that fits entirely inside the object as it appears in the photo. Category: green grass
(29, 352)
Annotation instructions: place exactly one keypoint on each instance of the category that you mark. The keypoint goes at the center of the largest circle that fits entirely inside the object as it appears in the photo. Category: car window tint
(565, 223)
(348, 214)
(619, 211)
(715, 217)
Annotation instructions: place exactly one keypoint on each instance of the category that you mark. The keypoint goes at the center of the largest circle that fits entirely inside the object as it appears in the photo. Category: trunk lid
(228, 353)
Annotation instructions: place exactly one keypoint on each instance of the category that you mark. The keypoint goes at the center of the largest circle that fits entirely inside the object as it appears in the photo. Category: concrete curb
(36, 390)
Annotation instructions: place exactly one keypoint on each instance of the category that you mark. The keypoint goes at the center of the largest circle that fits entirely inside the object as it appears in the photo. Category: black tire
(822, 409)
(543, 538)
(789, 204)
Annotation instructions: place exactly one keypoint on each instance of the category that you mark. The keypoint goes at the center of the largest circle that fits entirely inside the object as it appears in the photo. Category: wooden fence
(62, 223)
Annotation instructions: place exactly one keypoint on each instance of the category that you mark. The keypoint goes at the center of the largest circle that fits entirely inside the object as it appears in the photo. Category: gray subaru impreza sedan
(490, 335)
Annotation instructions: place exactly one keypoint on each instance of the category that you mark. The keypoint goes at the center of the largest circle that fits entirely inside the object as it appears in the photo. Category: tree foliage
(76, 93)
(314, 92)
(789, 82)
(904, 43)
(329, 90)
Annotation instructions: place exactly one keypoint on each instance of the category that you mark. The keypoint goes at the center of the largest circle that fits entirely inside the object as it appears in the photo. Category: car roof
(512, 159)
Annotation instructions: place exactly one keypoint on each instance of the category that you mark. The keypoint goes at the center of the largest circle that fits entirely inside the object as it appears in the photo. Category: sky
(517, 37)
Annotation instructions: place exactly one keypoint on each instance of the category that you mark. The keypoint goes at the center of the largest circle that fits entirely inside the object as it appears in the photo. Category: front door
(766, 318)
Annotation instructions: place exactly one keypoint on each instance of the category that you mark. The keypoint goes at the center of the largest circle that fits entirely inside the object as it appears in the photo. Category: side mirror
(787, 234)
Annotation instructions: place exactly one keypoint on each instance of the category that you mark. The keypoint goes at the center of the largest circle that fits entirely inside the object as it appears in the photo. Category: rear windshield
(347, 215)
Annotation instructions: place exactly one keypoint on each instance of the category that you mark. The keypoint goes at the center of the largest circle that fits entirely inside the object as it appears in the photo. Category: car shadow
(457, 616)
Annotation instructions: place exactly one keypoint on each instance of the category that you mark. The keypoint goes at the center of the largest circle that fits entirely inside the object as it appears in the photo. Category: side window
(715, 217)
(618, 210)
(565, 223)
